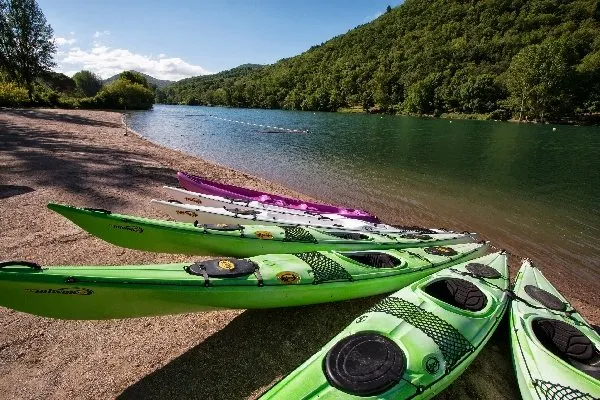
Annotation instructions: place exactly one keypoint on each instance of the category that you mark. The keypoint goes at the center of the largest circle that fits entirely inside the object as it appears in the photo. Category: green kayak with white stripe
(555, 350)
(412, 344)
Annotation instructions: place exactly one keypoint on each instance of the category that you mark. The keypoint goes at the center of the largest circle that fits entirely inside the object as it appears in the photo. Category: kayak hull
(201, 185)
(184, 238)
(72, 292)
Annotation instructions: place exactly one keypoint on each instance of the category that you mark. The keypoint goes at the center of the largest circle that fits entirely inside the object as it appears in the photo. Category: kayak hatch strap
(453, 345)
(324, 269)
(174, 201)
(234, 200)
(224, 268)
(551, 390)
(20, 263)
(297, 234)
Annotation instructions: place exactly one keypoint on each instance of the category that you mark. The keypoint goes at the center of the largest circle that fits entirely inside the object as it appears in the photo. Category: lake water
(528, 188)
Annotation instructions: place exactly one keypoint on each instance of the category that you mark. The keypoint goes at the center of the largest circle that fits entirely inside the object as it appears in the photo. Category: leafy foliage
(432, 57)
(88, 82)
(26, 43)
(11, 95)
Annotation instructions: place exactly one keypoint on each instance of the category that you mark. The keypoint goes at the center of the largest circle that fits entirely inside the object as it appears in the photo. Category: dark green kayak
(236, 240)
(276, 280)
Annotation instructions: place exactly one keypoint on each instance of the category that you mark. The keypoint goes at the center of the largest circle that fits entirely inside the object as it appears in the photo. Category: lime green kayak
(236, 240)
(555, 351)
(412, 344)
(279, 280)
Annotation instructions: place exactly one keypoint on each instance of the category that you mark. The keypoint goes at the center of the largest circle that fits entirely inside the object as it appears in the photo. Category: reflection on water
(527, 187)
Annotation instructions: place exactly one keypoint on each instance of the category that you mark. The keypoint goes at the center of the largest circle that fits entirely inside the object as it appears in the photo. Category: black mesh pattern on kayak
(554, 391)
(324, 269)
(451, 342)
(297, 234)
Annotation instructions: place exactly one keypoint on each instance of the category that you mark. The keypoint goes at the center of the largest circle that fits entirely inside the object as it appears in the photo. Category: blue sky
(177, 39)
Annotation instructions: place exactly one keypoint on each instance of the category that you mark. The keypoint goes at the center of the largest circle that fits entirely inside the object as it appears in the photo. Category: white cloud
(101, 33)
(60, 41)
(106, 62)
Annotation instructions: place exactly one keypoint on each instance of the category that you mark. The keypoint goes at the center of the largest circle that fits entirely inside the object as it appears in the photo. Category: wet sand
(83, 158)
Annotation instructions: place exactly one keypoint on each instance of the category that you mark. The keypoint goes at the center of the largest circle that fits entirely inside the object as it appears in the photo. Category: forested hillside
(531, 58)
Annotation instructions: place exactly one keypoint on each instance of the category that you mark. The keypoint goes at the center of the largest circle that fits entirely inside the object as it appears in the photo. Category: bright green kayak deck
(280, 280)
(412, 344)
(542, 373)
(236, 241)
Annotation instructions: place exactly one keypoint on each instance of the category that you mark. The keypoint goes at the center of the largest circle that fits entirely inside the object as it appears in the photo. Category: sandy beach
(83, 158)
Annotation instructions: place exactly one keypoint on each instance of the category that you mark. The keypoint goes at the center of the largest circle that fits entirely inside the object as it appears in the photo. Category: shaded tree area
(535, 58)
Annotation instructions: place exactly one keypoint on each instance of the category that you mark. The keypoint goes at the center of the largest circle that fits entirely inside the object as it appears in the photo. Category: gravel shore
(83, 158)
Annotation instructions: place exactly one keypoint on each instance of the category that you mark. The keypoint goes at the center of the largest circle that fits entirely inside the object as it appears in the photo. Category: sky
(178, 39)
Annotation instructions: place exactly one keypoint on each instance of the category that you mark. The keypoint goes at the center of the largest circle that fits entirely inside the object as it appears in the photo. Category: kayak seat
(483, 271)
(223, 268)
(418, 236)
(545, 298)
(569, 344)
(348, 235)
(364, 364)
(458, 293)
(374, 259)
(441, 251)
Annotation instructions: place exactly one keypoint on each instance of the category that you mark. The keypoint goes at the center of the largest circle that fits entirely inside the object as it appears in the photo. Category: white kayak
(233, 215)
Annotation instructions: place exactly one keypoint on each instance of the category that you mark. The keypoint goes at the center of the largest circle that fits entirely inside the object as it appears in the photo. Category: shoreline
(88, 161)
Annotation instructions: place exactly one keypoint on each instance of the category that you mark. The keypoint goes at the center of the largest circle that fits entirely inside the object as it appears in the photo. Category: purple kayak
(197, 184)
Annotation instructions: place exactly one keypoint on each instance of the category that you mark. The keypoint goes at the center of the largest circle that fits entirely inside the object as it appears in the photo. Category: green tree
(538, 79)
(26, 44)
(124, 94)
(88, 82)
(134, 77)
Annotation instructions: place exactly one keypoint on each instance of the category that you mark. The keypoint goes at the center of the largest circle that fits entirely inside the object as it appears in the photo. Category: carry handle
(29, 264)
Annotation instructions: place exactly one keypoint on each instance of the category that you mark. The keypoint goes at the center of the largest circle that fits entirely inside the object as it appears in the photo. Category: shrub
(12, 95)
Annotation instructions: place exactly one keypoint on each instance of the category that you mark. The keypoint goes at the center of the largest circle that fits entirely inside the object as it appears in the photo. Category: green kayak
(279, 280)
(555, 351)
(412, 344)
(236, 240)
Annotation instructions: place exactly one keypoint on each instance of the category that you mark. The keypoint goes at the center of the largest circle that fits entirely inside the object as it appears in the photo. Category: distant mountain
(159, 83)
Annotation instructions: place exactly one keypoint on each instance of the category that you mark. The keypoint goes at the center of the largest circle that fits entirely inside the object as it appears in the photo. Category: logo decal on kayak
(194, 200)
(186, 212)
(265, 235)
(131, 228)
(73, 290)
(441, 251)
(226, 264)
(431, 364)
(288, 277)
